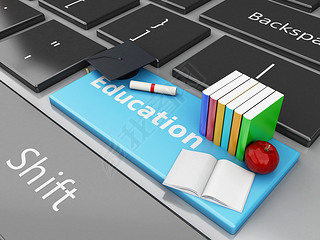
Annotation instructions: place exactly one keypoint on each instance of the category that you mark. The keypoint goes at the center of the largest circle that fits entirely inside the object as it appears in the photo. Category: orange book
(234, 133)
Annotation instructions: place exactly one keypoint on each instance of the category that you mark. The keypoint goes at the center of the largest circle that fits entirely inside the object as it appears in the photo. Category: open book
(200, 174)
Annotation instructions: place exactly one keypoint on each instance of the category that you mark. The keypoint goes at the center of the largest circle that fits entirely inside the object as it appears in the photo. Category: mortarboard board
(120, 62)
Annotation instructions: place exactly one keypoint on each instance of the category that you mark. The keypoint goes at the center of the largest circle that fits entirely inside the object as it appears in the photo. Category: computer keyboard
(43, 63)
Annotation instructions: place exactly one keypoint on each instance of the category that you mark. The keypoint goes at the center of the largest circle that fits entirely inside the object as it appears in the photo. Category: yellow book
(219, 123)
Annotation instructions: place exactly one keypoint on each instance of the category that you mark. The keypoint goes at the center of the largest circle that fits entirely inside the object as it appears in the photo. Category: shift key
(286, 31)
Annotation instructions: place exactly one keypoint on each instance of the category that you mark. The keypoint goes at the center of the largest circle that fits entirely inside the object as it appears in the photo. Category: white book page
(190, 172)
(229, 185)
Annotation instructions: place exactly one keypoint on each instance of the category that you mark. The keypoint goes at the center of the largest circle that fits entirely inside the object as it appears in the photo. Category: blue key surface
(137, 124)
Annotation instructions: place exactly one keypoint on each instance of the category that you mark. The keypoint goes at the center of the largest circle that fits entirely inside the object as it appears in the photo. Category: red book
(211, 118)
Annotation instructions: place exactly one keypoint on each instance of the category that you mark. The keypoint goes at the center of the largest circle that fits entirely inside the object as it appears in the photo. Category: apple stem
(267, 149)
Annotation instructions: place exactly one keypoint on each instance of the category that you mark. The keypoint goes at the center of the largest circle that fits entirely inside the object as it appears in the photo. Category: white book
(229, 87)
(220, 181)
(224, 81)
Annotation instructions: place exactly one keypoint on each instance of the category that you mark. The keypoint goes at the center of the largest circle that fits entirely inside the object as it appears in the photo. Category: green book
(259, 123)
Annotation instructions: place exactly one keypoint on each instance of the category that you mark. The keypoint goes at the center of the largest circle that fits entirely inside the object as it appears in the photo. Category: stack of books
(238, 110)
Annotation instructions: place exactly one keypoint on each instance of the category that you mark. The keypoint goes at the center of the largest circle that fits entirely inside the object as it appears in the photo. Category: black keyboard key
(163, 34)
(281, 29)
(181, 6)
(299, 118)
(87, 14)
(46, 54)
(16, 16)
(305, 5)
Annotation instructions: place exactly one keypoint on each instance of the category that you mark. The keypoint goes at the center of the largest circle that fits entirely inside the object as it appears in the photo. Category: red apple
(261, 157)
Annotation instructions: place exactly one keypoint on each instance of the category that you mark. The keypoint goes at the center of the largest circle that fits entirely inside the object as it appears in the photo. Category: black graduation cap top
(120, 62)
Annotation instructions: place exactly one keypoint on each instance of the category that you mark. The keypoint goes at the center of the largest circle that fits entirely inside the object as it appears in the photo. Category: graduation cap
(120, 62)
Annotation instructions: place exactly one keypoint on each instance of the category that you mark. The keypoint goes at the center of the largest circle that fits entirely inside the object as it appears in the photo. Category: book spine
(204, 114)
(226, 129)
(234, 134)
(243, 138)
(218, 124)
(211, 118)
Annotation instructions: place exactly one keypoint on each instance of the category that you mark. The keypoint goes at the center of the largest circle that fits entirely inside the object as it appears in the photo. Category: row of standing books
(238, 110)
